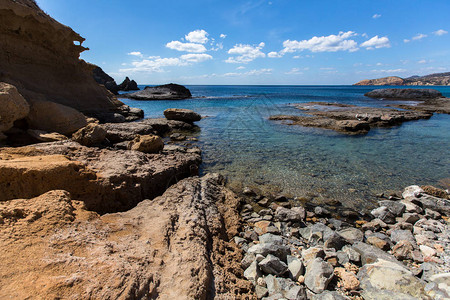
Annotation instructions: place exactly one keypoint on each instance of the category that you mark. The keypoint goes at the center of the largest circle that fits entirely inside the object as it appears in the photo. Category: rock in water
(53, 117)
(13, 106)
(128, 85)
(404, 94)
(162, 92)
(147, 144)
(179, 114)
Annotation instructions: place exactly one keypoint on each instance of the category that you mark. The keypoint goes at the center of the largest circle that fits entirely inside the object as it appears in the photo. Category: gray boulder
(395, 207)
(272, 265)
(352, 235)
(404, 94)
(318, 275)
(370, 254)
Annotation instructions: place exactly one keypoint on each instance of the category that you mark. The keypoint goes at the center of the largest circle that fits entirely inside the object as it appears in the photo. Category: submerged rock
(404, 94)
(162, 92)
(184, 115)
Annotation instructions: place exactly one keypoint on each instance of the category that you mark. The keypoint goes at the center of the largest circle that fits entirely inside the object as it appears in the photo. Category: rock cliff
(432, 79)
(40, 57)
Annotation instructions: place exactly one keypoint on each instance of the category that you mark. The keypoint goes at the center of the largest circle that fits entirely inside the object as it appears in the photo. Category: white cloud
(406, 41)
(245, 53)
(440, 32)
(187, 47)
(196, 58)
(365, 35)
(249, 73)
(240, 68)
(217, 47)
(297, 56)
(294, 71)
(274, 54)
(391, 71)
(197, 36)
(135, 53)
(376, 43)
(419, 36)
(327, 69)
(330, 43)
(376, 16)
(222, 36)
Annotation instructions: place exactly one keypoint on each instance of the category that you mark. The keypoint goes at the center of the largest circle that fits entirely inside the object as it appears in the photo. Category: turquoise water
(240, 142)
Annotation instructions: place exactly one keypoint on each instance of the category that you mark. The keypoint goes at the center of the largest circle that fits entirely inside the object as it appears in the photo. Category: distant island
(432, 79)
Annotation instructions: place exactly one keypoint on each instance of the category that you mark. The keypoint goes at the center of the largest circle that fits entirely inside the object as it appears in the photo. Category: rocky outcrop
(13, 107)
(102, 78)
(391, 80)
(50, 116)
(405, 94)
(105, 180)
(128, 85)
(349, 119)
(91, 135)
(432, 79)
(174, 247)
(162, 92)
(184, 115)
(40, 57)
(146, 144)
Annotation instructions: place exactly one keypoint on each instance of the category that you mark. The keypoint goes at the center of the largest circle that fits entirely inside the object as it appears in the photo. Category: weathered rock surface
(53, 117)
(147, 144)
(13, 107)
(318, 275)
(184, 115)
(53, 248)
(105, 180)
(44, 136)
(405, 94)
(40, 57)
(431, 79)
(169, 91)
(102, 78)
(90, 135)
(349, 120)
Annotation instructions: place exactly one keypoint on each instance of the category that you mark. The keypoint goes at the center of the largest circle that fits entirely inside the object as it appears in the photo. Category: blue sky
(260, 42)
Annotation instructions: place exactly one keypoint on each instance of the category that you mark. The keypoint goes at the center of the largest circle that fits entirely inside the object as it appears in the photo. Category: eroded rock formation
(169, 91)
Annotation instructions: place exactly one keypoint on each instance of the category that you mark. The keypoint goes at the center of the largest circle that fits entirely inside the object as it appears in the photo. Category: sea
(311, 164)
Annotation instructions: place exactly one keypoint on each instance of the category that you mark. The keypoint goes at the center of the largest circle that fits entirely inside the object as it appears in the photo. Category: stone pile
(400, 251)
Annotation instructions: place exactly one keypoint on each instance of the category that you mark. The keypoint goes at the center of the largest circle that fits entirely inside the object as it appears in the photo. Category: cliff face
(40, 57)
(432, 79)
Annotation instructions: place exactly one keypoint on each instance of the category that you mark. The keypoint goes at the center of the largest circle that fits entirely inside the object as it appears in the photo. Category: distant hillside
(432, 79)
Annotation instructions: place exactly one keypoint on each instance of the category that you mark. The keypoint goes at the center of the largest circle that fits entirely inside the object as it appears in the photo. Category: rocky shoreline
(401, 250)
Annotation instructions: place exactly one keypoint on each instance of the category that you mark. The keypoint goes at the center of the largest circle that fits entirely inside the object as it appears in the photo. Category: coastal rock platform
(169, 91)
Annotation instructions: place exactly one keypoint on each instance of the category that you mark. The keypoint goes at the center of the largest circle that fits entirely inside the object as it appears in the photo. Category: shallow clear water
(240, 142)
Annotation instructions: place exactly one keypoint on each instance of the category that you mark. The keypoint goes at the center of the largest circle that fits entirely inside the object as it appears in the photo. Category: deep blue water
(240, 142)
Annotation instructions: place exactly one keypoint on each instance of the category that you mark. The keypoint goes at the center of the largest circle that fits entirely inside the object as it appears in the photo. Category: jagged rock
(370, 254)
(295, 267)
(403, 250)
(287, 215)
(297, 292)
(437, 204)
(13, 106)
(412, 191)
(53, 117)
(328, 295)
(45, 64)
(52, 247)
(90, 135)
(352, 235)
(252, 273)
(395, 207)
(247, 260)
(312, 253)
(336, 241)
(385, 280)
(184, 115)
(102, 78)
(318, 275)
(406, 94)
(374, 225)
(44, 136)
(146, 144)
(272, 265)
(264, 249)
(384, 214)
(261, 291)
(353, 255)
(324, 230)
(105, 180)
(162, 92)
(377, 242)
(403, 235)
(349, 280)
(128, 85)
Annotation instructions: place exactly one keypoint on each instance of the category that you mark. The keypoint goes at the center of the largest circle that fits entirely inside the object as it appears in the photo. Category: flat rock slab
(404, 94)
(350, 119)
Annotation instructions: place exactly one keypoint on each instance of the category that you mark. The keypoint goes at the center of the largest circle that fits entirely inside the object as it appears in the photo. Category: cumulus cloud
(135, 53)
(440, 32)
(186, 47)
(376, 16)
(196, 58)
(197, 36)
(330, 43)
(274, 54)
(222, 36)
(376, 43)
(245, 53)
